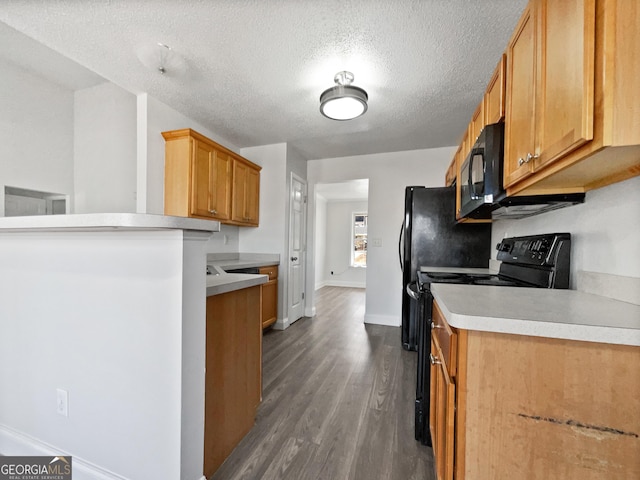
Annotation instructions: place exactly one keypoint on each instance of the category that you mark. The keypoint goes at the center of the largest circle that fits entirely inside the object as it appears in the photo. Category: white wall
(36, 133)
(605, 230)
(320, 242)
(388, 174)
(120, 361)
(339, 223)
(104, 150)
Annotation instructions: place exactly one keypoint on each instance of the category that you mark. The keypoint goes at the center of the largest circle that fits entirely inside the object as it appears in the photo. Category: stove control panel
(542, 250)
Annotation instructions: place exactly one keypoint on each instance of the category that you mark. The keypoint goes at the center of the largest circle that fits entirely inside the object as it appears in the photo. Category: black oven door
(423, 384)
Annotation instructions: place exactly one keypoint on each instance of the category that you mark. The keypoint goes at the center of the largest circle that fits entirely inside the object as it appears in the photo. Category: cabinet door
(494, 97)
(477, 124)
(442, 415)
(221, 186)
(203, 167)
(239, 196)
(520, 113)
(566, 33)
(246, 194)
(253, 196)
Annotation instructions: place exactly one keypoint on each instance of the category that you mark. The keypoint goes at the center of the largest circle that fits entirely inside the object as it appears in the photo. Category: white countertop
(480, 271)
(242, 260)
(539, 312)
(105, 221)
(228, 282)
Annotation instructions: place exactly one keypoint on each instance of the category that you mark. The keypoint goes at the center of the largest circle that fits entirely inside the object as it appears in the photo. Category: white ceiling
(253, 70)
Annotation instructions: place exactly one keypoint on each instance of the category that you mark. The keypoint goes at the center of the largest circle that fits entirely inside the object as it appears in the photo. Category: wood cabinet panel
(559, 408)
(233, 372)
(269, 313)
(246, 194)
(565, 77)
(494, 98)
(476, 125)
(221, 178)
(442, 414)
(521, 107)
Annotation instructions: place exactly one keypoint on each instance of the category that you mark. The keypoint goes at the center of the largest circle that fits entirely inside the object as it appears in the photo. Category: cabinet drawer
(271, 270)
(445, 339)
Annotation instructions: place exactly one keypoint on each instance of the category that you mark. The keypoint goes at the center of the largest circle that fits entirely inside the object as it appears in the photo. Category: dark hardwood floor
(338, 400)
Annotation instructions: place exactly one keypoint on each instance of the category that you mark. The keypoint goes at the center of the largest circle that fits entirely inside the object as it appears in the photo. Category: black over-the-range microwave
(482, 194)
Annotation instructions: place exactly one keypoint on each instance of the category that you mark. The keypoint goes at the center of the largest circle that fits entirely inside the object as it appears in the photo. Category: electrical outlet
(62, 402)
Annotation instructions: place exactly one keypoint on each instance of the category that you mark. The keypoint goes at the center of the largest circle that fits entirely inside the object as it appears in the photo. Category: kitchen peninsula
(109, 309)
(534, 380)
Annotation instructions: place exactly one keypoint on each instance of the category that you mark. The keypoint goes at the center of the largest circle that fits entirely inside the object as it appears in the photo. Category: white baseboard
(310, 312)
(388, 320)
(338, 283)
(319, 285)
(13, 442)
(281, 324)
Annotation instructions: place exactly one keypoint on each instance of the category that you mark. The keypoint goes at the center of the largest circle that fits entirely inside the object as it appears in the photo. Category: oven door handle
(415, 294)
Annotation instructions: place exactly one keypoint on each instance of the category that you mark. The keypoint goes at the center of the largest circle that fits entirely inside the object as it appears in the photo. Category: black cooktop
(425, 278)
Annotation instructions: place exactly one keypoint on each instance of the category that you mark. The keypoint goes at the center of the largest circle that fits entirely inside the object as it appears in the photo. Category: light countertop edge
(229, 282)
(565, 314)
(105, 221)
(243, 260)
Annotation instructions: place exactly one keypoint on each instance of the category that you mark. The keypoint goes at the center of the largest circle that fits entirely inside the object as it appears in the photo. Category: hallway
(338, 400)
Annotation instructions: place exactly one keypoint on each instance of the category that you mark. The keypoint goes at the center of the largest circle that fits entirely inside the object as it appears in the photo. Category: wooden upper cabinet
(495, 94)
(521, 108)
(199, 180)
(246, 193)
(571, 122)
(565, 97)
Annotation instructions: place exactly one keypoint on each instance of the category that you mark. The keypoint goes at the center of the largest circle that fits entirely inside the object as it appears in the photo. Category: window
(359, 240)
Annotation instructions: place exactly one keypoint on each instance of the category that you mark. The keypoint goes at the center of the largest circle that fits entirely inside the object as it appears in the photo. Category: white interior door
(297, 246)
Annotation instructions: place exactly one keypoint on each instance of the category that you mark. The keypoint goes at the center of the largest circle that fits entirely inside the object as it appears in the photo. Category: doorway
(341, 215)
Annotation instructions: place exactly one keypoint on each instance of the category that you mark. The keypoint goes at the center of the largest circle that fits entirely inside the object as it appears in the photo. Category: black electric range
(535, 261)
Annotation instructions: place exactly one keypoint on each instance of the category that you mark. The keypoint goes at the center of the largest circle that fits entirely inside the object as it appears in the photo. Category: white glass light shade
(343, 102)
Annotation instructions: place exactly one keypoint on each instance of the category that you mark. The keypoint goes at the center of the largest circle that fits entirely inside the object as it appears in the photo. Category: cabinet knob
(434, 360)
(213, 212)
(293, 259)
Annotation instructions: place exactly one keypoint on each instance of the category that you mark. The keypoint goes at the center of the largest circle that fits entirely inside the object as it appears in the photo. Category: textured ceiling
(253, 70)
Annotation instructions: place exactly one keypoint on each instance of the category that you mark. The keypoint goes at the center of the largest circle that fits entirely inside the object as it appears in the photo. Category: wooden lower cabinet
(233, 372)
(533, 407)
(269, 313)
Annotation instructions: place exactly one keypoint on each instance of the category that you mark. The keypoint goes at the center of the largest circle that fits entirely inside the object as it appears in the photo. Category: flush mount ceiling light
(344, 101)
(161, 58)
